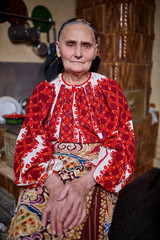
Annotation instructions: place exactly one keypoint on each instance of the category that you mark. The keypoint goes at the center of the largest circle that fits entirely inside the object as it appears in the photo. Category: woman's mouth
(77, 62)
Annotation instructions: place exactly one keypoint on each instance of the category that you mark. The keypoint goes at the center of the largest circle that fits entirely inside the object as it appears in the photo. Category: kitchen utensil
(32, 34)
(53, 45)
(9, 105)
(41, 12)
(17, 7)
(40, 49)
(23, 104)
(19, 34)
(48, 44)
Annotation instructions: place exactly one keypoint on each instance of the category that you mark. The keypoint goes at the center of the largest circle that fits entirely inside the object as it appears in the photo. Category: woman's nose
(78, 51)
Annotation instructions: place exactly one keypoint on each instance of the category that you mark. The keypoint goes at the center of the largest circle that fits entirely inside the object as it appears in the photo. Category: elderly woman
(75, 150)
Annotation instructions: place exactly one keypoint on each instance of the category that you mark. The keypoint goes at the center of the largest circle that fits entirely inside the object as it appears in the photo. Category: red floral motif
(94, 112)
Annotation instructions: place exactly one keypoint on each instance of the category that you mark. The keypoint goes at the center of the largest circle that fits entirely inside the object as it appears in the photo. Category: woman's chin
(78, 70)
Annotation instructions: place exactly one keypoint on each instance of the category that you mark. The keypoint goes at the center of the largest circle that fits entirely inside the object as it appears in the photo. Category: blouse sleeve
(116, 159)
(33, 153)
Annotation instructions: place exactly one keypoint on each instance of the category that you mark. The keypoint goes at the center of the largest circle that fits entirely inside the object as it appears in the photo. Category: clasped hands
(66, 205)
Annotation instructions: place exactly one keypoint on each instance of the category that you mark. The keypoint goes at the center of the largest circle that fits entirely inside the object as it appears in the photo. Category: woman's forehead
(77, 30)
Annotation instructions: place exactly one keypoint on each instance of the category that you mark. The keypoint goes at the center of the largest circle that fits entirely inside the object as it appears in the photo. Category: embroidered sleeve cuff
(56, 165)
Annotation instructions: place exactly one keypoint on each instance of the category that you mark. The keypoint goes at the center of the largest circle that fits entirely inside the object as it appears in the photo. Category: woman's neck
(75, 79)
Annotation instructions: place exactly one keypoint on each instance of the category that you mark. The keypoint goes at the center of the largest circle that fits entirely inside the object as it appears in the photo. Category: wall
(155, 76)
(20, 68)
(61, 10)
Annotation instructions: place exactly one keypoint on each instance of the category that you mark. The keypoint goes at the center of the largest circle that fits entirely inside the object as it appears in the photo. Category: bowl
(14, 118)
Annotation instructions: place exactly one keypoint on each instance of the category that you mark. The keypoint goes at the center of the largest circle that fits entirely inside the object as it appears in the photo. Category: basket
(9, 148)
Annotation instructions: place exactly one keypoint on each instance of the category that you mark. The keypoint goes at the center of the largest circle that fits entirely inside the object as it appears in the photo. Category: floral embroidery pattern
(94, 112)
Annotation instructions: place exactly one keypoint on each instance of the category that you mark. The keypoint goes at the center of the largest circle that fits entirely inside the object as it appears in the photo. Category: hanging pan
(17, 7)
(41, 12)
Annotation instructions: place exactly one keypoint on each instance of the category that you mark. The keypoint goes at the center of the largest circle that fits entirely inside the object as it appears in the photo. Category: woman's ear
(96, 50)
(58, 49)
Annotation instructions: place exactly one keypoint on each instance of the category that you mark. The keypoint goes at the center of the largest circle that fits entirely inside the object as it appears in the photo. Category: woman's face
(77, 48)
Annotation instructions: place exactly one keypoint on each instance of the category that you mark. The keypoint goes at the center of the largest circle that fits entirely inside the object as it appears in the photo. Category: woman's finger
(53, 222)
(83, 216)
(77, 219)
(71, 215)
(44, 217)
(59, 224)
(53, 209)
(66, 210)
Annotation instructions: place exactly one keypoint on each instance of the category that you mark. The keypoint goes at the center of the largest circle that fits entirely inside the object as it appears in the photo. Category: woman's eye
(70, 44)
(87, 46)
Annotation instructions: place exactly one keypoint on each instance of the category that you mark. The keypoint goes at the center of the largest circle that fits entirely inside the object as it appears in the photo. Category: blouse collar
(76, 85)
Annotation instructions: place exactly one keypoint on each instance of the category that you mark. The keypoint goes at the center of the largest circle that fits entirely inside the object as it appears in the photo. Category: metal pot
(21, 34)
(23, 104)
(32, 34)
(40, 49)
(17, 33)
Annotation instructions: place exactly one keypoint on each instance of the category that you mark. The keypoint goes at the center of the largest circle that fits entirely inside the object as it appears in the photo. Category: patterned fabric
(26, 223)
(94, 112)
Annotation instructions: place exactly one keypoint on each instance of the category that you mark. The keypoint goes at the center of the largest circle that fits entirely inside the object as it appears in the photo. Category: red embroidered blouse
(94, 112)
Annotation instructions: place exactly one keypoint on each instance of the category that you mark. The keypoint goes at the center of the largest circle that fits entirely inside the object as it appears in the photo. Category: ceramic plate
(9, 105)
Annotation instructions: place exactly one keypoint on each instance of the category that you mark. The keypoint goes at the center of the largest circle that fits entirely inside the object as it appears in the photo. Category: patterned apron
(26, 222)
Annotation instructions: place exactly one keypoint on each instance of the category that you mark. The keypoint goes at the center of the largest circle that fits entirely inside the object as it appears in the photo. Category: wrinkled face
(77, 48)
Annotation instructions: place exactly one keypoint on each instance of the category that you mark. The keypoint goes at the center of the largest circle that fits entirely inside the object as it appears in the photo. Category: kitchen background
(131, 57)
(21, 69)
